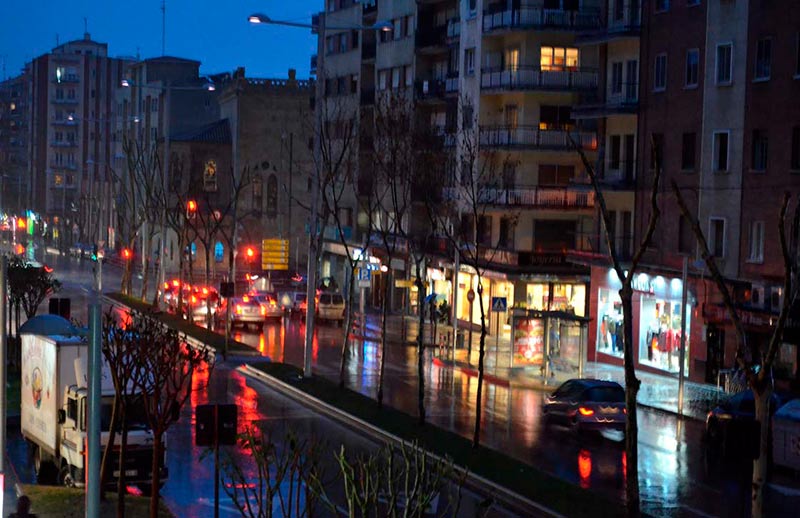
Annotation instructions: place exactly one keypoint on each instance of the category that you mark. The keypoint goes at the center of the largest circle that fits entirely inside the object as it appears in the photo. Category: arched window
(219, 251)
(272, 196)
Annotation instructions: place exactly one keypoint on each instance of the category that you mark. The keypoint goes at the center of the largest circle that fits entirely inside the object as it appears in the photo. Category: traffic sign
(499, 304)
(364, 274)
(274, 254)
(471, 295)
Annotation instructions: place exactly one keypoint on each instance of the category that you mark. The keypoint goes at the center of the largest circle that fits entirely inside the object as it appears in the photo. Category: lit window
(559, 58)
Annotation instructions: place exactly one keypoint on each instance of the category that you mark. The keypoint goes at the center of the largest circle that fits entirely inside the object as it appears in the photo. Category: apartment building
(524, 76)
(14, 145)
(72, 90)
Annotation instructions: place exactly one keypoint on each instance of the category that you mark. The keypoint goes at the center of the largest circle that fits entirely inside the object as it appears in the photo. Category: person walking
(23, 508)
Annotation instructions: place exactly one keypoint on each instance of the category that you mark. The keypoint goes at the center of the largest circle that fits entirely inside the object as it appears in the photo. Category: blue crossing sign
(499, 304)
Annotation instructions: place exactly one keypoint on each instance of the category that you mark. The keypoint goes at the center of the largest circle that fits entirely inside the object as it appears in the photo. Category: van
(330, 307)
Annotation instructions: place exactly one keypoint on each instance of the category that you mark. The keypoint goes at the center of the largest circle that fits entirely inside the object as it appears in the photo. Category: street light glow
(258, 18)
(125, 83)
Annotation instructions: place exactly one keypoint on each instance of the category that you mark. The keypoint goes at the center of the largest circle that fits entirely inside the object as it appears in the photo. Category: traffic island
(550, 494)
(199, 334)
(66, 502)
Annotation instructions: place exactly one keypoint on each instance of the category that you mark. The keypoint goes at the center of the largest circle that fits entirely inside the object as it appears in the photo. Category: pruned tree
(458, 208)
(123, 341)
(757, 365)
(28, 286)
(626, 276)
(167, 366)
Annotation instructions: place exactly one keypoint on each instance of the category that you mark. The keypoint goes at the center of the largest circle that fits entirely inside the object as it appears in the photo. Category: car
(269, 301)
(245, 310)
(200, 302)
(296, 302)
(76, 250)
(169, 293)
(587, 405)
(330, 307)
(729, 424)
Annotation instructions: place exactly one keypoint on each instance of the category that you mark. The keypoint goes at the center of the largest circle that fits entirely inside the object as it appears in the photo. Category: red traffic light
(191, 205)
(126, 253)
(250, 252)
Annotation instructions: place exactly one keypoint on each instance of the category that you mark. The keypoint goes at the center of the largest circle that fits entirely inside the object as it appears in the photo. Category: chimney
(292, 76)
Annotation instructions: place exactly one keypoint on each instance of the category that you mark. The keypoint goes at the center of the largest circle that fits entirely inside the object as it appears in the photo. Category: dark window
(796, 148)
(616, 78)
(353, 39)
(657, 150)
(506, 233)
(688, 151)
(662, 5)
(763, 58)
(555, 117)
(553, 235)
(72, 409)
(760, 148)
(717, 240)
(467, 229)
(692, 67)
(556, 174)
(485, 230)
(605, 395)
(720, 151)
(615, 143)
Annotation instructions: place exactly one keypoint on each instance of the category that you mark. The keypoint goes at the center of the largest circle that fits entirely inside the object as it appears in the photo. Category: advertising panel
(528, 341)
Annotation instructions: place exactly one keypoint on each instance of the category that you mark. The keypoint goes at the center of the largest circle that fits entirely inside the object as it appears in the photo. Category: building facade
(14, 145)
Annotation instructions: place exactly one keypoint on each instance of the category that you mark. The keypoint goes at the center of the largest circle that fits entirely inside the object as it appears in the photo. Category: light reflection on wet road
(675, 478)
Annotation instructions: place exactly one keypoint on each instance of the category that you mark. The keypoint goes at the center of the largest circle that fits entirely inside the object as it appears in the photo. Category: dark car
(732, 422)
(587, 404)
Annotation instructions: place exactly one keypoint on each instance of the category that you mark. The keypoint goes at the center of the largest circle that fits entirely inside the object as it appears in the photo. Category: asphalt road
(676, 478)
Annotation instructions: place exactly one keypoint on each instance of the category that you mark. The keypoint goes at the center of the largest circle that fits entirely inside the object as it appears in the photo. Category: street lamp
(311, 280)
(166, 88)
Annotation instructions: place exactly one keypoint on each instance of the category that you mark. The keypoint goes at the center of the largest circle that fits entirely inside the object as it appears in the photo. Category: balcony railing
(533, 78)
(628, 95)
(534, 137)
(624, 17)
(451, 82)
(331, 233)
(430, 88)
(63, 143)
(64, 101)
(539, 17)
(535, 197)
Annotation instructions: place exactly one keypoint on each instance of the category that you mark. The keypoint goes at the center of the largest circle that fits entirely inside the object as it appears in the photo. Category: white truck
(54, 409)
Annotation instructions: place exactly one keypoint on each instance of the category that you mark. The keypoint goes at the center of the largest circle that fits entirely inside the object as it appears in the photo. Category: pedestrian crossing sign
(499, 304)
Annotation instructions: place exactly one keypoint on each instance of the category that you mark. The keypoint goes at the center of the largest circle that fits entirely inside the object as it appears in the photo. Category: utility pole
(3, 359)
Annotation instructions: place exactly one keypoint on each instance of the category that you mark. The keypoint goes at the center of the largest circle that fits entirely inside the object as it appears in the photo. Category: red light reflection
(584, 467)
(246, 399)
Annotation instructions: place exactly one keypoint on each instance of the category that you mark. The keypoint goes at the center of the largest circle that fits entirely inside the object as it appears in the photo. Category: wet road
(675, 478)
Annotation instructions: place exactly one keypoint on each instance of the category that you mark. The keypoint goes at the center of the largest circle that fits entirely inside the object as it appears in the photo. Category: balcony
(369, 6)
(431, 39)
(533, 137)
(64, 101)
(64, 167)
(69, 78)
(624, 21)
(541, 18)
(64, 143)
(430, 89)
(451, 83)
(619, 173)
(622, 100)
(530, 197)
(533, 78)
(64, 122)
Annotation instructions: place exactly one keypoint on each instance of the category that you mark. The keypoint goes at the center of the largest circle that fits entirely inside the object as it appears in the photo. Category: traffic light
(21, 223)
(250, 253)
(94, 253)
(126, 254)
(191, 208)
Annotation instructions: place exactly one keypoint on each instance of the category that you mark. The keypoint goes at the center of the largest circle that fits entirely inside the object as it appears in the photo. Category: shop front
(657, 326)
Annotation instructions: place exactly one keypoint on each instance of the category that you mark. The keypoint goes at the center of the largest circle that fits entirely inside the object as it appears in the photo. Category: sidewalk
(656, 391)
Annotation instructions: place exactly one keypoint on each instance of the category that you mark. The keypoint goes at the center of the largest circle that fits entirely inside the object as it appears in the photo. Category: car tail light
(238, 309)
(263, 311)
(625, 410)
(175, 283)
(245, 299)
(272, 302)
(585, 411)
(205, 291)
(194, 299)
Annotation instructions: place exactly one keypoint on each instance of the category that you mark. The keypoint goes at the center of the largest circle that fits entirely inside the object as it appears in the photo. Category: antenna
(163, 27)
(85, 25)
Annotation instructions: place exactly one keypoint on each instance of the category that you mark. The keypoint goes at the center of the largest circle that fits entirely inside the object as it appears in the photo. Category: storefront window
(570, 298)
(609, 317)
(660, 333)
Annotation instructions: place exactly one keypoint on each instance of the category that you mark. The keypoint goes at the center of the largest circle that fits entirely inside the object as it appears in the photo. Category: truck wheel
(65, 476)
(45, 470)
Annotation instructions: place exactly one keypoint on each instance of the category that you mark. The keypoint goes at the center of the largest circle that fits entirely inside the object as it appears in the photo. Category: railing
(453, 28)
(531, 17)
(70, 78)
(63, 143)
(534, 137)
(64, 101)
(369, 6)
(533, 78)
(627, 96)
(541, 197)
(331, 233)
(621, 171)
(624, 17)
(430, 88)
(451, 82)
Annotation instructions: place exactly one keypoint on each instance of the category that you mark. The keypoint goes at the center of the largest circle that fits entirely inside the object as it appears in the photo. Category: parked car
(269, 300)
(786, 436)
(731, 423)
(330, 307)
(245, 310)
(587, 404)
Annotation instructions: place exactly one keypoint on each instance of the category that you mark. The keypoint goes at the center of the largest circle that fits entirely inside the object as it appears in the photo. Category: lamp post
(166, 88)
(313, 251)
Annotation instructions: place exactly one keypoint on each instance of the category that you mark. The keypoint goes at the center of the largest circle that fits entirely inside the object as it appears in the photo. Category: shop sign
(528, 341)
(643, 283)
(719, 315)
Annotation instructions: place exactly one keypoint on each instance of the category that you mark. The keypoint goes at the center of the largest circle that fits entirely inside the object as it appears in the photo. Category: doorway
(715, 354)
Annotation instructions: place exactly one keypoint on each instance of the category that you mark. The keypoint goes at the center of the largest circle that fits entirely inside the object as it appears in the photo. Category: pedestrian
(23, 508)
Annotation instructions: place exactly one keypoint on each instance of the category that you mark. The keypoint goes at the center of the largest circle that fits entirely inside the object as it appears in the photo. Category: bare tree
(626, 276)
(458, 208)
(756, 365)
(167, 366)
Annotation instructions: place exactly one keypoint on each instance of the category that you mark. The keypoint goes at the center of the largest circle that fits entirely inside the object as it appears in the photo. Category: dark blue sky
(215, 32)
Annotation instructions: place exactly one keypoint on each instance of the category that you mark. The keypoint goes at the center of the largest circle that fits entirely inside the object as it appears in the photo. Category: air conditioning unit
(757, 297)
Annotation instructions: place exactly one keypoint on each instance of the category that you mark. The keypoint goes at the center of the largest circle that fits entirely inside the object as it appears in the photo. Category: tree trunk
(348, 322)
(760, 464)
(121, 486)
(145, 279)
(158, 436)
(107, 451)
(384, 318)
(207, 283)
(476, 438)
(420, 344)
(631, 390)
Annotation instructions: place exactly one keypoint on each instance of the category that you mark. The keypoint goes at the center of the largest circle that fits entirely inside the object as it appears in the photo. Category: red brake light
(245, 299)
(205, 291)
(194, 299)
(263, 310)
(176, 283)
(238, 309)
(585, 411)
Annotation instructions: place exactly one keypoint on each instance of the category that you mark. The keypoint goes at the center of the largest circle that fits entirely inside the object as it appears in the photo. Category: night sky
(214, 32)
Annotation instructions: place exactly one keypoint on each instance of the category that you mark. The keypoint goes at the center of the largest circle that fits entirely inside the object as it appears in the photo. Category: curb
(509, 499)
(488, 378)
